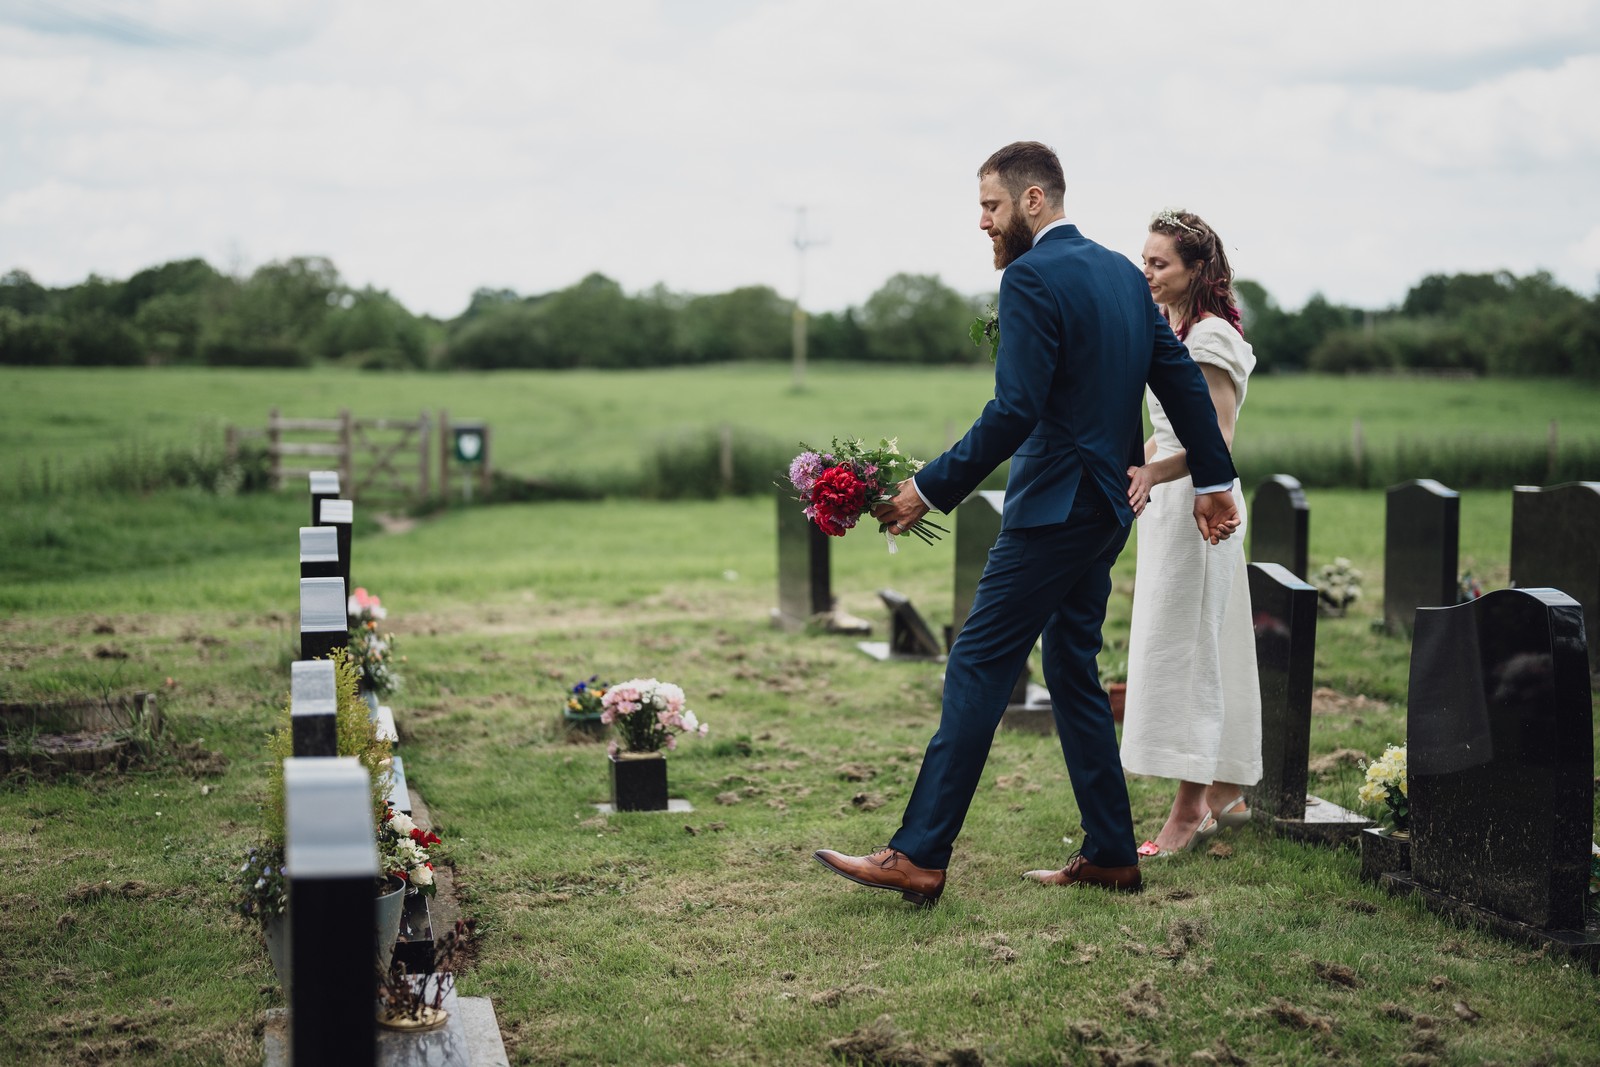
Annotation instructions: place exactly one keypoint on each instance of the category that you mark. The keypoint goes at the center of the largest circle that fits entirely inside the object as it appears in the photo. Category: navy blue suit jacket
(1079, 338)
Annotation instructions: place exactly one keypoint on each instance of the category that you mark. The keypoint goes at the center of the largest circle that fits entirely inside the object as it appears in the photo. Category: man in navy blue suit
(1079, 340)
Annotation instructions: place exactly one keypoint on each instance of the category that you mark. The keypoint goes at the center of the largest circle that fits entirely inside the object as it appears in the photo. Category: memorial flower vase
(370, 695)
(638, 781)
(1384, 849)
(389, 910)
(584, 723)
(1118, 692)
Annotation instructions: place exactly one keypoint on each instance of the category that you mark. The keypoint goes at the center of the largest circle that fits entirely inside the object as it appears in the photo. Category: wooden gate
(375, 458)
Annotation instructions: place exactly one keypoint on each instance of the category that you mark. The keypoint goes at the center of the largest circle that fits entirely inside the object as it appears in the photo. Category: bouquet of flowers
(586, 697)
(402, 850)
(1338, 586)
(985, 330)
(1386, 782)
(648, 714)
(841, 485)
(373, 651)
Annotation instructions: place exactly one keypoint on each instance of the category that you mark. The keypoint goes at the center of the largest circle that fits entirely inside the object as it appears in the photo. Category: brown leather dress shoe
(1080, 871)
(887, 868)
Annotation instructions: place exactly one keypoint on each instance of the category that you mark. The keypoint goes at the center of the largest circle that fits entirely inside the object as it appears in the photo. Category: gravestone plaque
(1555, 543)
(319, 552)
(909, 635)
(340, 514)
(324, 486)
(805, 592)
(1500, 754)
(333, 940)
(1421, 536)
(1285, 612)
(314, 708)
(1280, 525)
(324, 626)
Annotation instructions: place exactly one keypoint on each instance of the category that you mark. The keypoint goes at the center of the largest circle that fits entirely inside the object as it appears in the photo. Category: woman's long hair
(1211, 290)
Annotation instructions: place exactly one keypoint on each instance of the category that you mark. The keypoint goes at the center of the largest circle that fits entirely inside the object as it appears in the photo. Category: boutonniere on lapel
(985, 330)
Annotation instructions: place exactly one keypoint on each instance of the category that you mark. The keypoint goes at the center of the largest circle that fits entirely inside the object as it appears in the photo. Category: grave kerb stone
(332, 858)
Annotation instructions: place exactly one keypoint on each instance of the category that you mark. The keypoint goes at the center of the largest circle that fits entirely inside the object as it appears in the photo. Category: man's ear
(1033, 199)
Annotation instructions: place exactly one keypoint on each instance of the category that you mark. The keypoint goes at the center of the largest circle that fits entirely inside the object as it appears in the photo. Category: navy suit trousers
(1052, 580)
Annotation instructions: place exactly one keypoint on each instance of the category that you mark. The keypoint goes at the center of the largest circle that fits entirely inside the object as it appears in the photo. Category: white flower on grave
(422, 875)
(402, 824)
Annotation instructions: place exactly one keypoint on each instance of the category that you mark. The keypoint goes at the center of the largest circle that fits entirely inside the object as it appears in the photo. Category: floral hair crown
(1169, 217)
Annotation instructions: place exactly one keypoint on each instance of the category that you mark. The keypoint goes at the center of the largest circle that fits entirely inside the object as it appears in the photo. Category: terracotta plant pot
(1118, 692)
(638, 781)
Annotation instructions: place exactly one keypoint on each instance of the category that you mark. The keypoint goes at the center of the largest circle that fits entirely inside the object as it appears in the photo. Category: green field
(709, 937)
(597, 423)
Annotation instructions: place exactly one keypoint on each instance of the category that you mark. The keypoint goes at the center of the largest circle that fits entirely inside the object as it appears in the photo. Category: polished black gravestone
(909, 634)
(1280, 525)
(805, 590)
(324, 486)
(319, 552)
(340, 514)
(333, 940)
(1555, 544)
(1500, 755)
(314, 708)
(1285, 613)
(1421, 547)
(324, 624)
(977, 528)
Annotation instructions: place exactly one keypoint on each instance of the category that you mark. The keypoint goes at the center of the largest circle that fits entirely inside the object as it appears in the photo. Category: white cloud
(430, 149)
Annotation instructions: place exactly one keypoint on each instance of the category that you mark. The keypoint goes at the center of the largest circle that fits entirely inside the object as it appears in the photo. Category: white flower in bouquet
(648, 714)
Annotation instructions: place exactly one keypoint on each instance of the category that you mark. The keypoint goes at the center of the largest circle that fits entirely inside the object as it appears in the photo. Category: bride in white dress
(1194, 702)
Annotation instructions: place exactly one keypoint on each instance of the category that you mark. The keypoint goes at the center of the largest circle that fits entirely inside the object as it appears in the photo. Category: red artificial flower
(838, 497)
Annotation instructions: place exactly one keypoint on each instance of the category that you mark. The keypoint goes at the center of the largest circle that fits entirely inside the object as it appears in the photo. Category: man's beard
(1015, 239)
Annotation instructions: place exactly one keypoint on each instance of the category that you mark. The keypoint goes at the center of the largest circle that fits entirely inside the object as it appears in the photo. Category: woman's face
(1164, 271)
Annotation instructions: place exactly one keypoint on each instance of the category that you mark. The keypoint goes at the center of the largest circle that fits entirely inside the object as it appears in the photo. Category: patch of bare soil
(1332, 761)
(882, 1044)
(1325, 701)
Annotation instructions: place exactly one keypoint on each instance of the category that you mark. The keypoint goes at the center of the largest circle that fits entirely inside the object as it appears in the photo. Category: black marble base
(1582, 946)
(1324, 823)
(1381, 853)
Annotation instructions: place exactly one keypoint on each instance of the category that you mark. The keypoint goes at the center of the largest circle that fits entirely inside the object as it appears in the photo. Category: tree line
(299, 312)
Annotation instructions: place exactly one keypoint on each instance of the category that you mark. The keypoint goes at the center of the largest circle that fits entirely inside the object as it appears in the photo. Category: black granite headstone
(804, 589)
(1500, 754)
(1280, 525)
(324, 486)
(314, 708)
(1555, 544)
(340, 514)
(332, 859)
(909, 635)
(977, 529)
(1285, 612)
(324, 624)
(1421, 538)
(319, 552)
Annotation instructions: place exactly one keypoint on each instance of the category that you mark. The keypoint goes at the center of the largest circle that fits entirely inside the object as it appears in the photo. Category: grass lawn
(710, 937)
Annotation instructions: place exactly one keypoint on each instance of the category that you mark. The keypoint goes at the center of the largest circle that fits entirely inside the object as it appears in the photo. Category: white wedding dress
(1193, 708)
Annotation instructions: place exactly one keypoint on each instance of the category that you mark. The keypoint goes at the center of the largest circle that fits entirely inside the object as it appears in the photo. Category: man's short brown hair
(1023, 163)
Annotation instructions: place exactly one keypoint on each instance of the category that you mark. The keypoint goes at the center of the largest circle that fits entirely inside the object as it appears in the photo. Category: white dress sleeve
(1215, 342)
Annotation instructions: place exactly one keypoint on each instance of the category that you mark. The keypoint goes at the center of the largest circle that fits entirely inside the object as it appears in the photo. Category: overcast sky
(433, 148)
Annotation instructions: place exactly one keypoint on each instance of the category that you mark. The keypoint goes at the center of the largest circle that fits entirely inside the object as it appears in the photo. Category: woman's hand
(1140, 482)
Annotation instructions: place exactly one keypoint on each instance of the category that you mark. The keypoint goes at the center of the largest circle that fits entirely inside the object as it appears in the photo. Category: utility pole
(802, 241)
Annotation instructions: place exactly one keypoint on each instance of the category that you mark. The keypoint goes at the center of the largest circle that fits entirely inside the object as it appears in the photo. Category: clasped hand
(1216, 514)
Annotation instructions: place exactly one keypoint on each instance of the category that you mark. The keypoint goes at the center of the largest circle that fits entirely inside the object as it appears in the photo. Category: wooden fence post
(346, 455)
(274, 440)
(422, 456)
(444, 455)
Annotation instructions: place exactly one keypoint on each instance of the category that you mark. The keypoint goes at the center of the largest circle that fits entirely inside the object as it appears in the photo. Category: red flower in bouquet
(838, 498)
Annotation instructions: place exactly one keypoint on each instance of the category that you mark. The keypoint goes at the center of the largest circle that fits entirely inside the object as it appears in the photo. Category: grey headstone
(324, 624)
(1500, 754)
(332, 858)
(314, 708)
(1280, 525)
(319, 552)
(977, 529)
(1421, 539)
(1555, 543)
